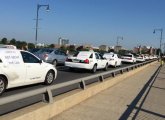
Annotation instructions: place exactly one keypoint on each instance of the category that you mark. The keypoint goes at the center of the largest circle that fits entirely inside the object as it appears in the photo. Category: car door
(13, 67)
(99, 61)
(62, 56)
(57, 56)
(34, 69)
(103, 61)
(133, 58)
(118, 60)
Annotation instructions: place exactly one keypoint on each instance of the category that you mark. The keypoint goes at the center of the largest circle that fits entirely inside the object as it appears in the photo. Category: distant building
(56, 46)
(87, 46)
(137, 50)
(153, 51)
(112, 47)
(104, 48)
(117, 48)
(63, 41)
(145, 50)
(95, 48)
(40, 44)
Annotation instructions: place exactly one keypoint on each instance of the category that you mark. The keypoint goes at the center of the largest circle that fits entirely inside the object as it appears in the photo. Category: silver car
(52, 55)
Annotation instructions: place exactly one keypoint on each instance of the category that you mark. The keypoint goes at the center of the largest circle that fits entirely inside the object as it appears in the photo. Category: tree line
(17, 43)
(70, 48)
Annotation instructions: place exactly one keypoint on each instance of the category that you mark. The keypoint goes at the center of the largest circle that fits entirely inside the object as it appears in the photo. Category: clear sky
(93, 22)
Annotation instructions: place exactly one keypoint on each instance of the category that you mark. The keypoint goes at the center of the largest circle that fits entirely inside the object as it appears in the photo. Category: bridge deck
(138, 97)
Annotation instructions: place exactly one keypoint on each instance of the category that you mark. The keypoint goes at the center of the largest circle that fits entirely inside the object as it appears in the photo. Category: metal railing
(47, 90)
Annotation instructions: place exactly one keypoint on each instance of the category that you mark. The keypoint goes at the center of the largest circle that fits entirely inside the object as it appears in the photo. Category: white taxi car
(113, 59)
(87, 60)
(19, 68)
(129, 58)
(140, 58)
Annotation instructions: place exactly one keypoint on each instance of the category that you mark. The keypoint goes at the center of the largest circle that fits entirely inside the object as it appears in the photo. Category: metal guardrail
(47, 90)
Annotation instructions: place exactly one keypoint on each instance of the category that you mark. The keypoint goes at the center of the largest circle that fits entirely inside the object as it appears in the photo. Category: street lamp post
(164, 49)
(161, 32)
(119, 37)
(117, 43)
(38, 7)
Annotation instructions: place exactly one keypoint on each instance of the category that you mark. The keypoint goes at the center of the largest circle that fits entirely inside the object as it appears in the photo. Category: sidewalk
(138, 97)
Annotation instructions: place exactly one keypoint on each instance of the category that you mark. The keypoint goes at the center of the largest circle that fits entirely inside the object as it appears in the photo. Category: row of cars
(57, 56)
(19, 67)
(91, 60)
(87, 59)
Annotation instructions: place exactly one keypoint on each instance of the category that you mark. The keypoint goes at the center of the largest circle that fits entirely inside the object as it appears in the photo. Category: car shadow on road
(67, 69)
(75, 70)
(140, 99)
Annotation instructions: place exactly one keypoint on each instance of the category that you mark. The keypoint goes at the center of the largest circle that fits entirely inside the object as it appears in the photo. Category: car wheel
(55, 63)
(3, 85)
(94, 68)
(106, 67)
(49, 78)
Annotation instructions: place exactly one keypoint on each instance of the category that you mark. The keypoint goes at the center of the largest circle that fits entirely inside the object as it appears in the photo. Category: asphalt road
(64, 75)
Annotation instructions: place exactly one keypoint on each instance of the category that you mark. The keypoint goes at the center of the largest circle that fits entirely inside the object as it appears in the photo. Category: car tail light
(68, 60)
(86, 61)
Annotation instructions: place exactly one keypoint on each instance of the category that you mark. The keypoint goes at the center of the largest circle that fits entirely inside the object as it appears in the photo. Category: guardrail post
(121, 71)
(101, 78)
(113, 74)
(48, 97)
(127, 69)
(82, 84)
(132, 67)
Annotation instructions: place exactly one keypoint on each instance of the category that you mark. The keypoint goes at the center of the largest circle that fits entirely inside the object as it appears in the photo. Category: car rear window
(91, 56)
(75, 55)
(108, 55)
(45, 50)
(127, 55)
(84, 54)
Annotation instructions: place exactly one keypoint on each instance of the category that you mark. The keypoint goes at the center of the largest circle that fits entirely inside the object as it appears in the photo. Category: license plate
(75, 60)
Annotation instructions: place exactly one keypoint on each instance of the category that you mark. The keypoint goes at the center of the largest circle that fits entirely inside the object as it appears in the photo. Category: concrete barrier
(43, 111)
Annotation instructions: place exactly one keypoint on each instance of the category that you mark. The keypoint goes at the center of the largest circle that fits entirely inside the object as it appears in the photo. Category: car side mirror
(40, 61)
